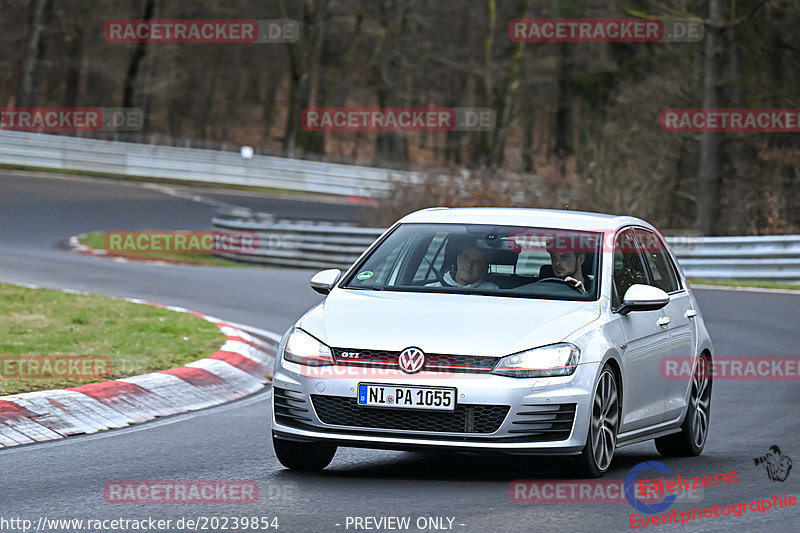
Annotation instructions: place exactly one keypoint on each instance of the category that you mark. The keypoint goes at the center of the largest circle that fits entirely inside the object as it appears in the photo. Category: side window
(662, 274)
(628, 267)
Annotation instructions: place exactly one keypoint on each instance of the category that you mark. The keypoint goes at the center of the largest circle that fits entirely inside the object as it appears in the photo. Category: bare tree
(136, 60)
(25, 95)
(708, 173)
(303, 62)
(500, 98)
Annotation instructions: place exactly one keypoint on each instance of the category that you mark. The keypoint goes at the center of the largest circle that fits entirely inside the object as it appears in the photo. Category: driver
(472, 263)
(567, 266)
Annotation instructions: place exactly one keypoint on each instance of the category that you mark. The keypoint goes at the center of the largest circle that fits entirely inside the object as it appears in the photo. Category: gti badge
(411, 360)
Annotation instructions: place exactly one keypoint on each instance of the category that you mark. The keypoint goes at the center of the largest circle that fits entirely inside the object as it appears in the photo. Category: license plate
(407, 397)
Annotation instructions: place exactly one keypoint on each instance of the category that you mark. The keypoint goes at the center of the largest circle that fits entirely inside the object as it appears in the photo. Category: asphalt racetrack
(65, 479)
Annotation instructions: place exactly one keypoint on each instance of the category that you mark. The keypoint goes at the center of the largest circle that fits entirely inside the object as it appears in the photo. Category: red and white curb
(241, 366)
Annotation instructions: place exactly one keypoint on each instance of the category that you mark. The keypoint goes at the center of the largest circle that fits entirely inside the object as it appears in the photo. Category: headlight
(304, 349)
(554, 360)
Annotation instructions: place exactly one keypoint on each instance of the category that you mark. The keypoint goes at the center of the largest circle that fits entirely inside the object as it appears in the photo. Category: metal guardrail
(304, 244)
(310, 245)
(770, 257)
(193, 164)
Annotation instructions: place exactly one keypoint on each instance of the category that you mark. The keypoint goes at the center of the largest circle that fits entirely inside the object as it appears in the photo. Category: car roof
(539, 218)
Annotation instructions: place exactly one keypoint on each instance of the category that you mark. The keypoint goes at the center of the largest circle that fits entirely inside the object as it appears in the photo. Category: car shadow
(449, 466)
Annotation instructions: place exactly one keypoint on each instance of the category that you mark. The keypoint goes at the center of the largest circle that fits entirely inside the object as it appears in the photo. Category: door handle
(690, 313)
(663, 321)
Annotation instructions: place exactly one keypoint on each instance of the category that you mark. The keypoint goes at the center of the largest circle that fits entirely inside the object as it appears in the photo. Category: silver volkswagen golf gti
(519, 331)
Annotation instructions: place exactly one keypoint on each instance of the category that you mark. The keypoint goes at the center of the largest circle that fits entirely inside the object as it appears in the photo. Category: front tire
(303, 455)
(601, 441)
(692, 438)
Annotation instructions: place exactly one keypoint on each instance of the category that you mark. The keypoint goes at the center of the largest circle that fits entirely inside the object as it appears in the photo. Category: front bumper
(548, 416)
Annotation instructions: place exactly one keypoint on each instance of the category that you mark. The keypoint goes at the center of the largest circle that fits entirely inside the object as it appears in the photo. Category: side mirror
(323, 281)
(643, 298)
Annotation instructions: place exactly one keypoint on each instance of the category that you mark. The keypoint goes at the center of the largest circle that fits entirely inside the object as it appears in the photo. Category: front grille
(291, 407)
(477, 364)
(543, 422)
(344, 411)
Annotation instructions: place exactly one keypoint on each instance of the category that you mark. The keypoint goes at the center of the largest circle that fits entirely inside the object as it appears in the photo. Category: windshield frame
(592, 296)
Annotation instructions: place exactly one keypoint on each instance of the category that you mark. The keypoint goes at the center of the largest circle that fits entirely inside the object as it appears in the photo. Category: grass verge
(136, 338)
(96, 240)
(746, 283)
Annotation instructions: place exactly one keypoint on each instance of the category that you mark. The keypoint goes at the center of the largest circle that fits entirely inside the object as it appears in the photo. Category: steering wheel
(560, 280)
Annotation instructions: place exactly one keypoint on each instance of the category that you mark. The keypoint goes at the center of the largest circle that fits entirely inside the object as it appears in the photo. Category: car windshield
(511, 261)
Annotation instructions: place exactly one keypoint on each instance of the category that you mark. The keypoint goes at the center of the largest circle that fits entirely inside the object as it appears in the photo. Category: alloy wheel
(605, 419)
(701, 400)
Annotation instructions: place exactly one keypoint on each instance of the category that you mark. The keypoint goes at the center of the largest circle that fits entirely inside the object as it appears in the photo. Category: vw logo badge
(411, 360)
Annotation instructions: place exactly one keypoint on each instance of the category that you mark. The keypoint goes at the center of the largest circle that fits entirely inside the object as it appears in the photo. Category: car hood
(456, 324)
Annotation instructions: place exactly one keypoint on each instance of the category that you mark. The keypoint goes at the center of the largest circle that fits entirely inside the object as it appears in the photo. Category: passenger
(472, 264)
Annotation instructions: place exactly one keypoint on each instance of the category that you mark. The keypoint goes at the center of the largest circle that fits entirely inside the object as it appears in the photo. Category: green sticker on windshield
(365, 275)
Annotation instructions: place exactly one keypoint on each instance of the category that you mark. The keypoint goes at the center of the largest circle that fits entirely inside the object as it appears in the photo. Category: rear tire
(601, 440)
(303, 455)
(689, 442)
